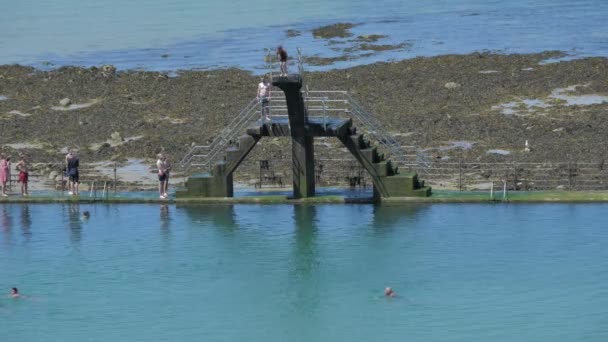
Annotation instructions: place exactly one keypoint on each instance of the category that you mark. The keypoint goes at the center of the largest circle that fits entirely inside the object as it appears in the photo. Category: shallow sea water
(188, 34)
(304, 273)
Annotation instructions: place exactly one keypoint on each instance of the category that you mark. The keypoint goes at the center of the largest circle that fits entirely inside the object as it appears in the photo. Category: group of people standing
(5, 173)
(72, 161)
(71, 171)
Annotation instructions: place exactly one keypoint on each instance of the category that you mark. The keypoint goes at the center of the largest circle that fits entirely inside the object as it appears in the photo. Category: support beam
(302, 151)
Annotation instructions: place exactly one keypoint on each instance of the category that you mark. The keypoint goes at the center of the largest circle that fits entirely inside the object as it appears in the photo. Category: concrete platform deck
(315, 126)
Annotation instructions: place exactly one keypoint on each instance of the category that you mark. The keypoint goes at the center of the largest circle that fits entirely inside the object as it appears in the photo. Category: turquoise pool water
(304, 273)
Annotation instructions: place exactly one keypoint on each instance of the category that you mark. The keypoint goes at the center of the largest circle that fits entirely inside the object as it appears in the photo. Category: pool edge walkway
(439, 197)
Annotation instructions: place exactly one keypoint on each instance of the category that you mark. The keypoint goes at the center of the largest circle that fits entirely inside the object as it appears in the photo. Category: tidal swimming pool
(469, 272)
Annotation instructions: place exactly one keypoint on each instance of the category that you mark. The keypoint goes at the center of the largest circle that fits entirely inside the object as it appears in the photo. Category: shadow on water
(216, 215)
(305, 262)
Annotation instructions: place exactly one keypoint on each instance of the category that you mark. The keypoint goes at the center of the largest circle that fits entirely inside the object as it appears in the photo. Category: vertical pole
(324, 115)
(62, 186)
(504, 190)
(92, 187)
(492, 190)
(514, 175)
(115, 178)
(569, 175)
(460, 174)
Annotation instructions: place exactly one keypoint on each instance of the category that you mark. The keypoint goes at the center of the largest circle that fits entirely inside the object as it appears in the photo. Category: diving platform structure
(309, 114)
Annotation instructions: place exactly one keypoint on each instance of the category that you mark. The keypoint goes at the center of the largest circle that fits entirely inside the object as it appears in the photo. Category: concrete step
(383, 169)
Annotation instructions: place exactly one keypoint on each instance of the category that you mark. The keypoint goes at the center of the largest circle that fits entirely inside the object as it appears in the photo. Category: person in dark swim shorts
(282, 55)
(72, 164)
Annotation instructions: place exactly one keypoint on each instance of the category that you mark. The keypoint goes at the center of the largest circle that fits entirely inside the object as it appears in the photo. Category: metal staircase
(204, 156)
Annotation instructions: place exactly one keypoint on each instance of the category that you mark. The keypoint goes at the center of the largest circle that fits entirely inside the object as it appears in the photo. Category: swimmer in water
(86, 215)
(389, 292)
(15, 293)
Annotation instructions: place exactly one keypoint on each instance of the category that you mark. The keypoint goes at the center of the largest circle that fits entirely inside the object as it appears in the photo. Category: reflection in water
(7, 223)
(165, 221)
(217, 215)
(26, 221)
(305, 261)
(74, 222)
(390, 217)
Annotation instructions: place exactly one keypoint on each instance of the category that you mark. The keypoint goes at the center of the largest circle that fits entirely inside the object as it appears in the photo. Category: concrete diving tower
(387, 180)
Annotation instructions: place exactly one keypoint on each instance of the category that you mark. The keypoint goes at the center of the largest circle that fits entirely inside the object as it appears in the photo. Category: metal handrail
(225, 136)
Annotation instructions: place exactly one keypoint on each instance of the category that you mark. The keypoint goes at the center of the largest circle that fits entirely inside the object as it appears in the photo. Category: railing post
(62, 182)
(570, 175)
(460, 174)
(115, 178)
(324, 113)
(514, 175)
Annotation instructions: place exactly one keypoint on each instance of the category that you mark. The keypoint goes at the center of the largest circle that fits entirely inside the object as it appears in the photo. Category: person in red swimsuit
(23, 168)
(282, 55)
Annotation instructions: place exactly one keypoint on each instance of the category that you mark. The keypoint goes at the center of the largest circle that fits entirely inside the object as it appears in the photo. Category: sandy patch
(140, 171)
(75, 106)
(18, 113)
(114, 143)
(499, 151)
(559, 96)
(20, 146)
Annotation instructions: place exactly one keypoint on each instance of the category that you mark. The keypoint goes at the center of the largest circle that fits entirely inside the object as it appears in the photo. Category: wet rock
(108, 69)
(292, 33)
(119, 158)
(116, 138)
(339, 30)
(452, 85)
(65, 102)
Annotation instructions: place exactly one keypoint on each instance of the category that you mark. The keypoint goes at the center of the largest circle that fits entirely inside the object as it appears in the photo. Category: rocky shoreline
(480, 107)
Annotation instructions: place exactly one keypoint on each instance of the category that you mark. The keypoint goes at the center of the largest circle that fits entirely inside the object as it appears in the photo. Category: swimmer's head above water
(389, 292)
(14, 292)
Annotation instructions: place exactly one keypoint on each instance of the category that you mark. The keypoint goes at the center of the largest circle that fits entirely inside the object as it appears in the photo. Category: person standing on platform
(263, 97)
(282, 55)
